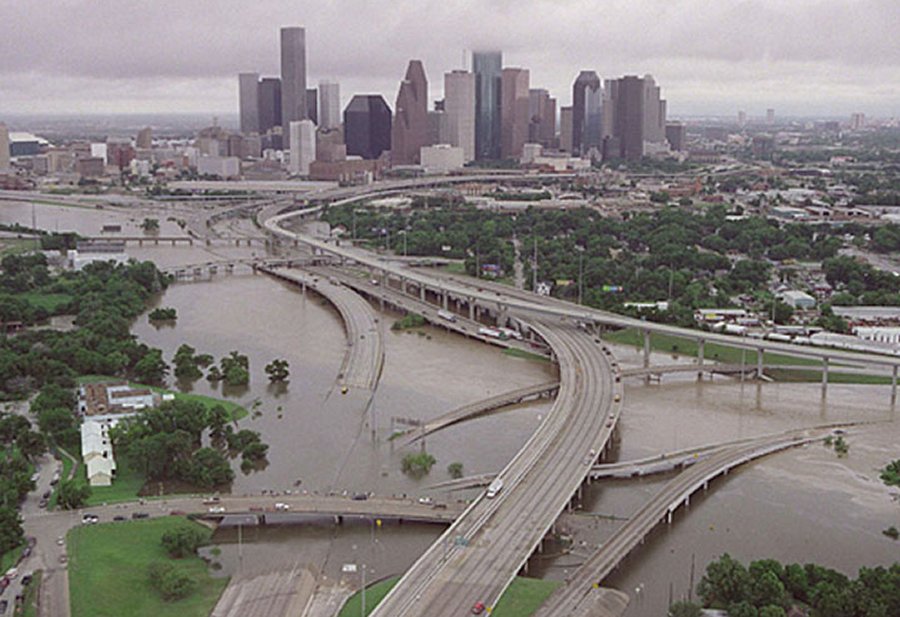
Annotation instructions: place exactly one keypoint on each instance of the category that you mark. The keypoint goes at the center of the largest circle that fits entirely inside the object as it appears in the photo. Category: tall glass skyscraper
(488, 69)
(293, 76)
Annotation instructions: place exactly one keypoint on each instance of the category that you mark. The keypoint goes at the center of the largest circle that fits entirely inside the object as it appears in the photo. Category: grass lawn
(234, 410)
(522, 598)
(15, 246)
(793, 375)
(455, 268)
(125, 486)
(67, 465)
(527, 355)
(47, 301)
(374, 594)
(108, 571)
(711, 351)
(29, 606)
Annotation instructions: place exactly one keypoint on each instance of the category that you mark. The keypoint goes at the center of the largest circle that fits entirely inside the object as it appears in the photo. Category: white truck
(495, 488)
(446, 315)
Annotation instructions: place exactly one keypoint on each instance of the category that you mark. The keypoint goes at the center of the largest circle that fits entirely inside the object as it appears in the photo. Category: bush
(171, 583)
(183, 541)
(411, 320)
(163, 314)
(455, 470)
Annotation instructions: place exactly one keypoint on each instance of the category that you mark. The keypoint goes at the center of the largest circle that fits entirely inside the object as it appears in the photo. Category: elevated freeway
(480, 554)
(474, 410)
(364, 359)
(579, 596)
(529, 304)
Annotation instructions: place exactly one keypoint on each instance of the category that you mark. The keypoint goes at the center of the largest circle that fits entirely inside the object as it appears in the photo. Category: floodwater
(800, 505)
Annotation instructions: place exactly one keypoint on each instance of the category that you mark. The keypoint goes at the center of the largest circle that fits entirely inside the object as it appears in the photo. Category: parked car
(360, 497)
(3, 606)
(478, 608)
(137, 515)
(282, 506)
(426, 501)
(118, 518)
(217, 510)
(90, 519)
(26, 580)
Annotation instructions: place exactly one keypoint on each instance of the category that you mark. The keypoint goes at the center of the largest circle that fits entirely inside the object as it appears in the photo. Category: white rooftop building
(96, 452)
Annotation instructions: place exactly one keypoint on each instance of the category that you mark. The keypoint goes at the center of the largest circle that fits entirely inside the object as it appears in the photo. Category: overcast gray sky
(709, 56)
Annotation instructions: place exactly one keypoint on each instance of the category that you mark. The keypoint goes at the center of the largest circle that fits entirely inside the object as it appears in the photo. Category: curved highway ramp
(365, 345)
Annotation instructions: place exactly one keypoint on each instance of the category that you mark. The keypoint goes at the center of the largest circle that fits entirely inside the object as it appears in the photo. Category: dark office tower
(542, 118)
(410, 128)
(367, 126)
(654, 113)
(676, 135)
(587, 98)
(513, 112)
(312, 105)
(293, 76)
(248, 85)
(488, 69)
(269, 104)
(629, 117)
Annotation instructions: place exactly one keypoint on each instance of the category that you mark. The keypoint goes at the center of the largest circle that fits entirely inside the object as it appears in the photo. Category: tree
(150, 225)
(278, 370)
(767, 589)
(171, 582)
(685, 609)
(163, 314)
(783, 312)
(726, 582)
(417, 465)
(209, 468)
(771, 611)
(742, 609)
(11, 532)
(186, 363)
(183, 541)
(235, 369)
(72, 495)
(455, 470)
(151, 368)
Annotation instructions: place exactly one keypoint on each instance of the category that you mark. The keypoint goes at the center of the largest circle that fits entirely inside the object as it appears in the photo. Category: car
(216, 510)
(177, 513)
(211, 500)
(360, 497)
(426, 501)
(478, 608)
(43, 503)
(119, 518)
(137, 515)
(47, 494)
(4, 583)
(60, 541)
(3, 606)
(26, 580)
(31, 541)
(63, 559)
(617, 398)
(89, 519)
(12, 573)
(26, 552)
(282, 506)
(344, 389)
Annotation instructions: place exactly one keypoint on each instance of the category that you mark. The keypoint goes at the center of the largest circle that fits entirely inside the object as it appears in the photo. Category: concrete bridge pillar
(700, 345)
(646, 334)
(759, 362)
(824, 376)
(422, 292)
(472, 318)
(444, 300)
(894, 385)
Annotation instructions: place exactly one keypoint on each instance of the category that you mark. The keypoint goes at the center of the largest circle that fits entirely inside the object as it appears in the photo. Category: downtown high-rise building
(541, 118)
(410, 127)
(488, 69)
(303, 146)
(312, 105)
(248, 92)
(459, 108)
(367, 126)
(329, 105)
(587, 100)
(269, 104)
(293, 76)
(634, 117)
(514, 118)
(4, 148)
(566, 129)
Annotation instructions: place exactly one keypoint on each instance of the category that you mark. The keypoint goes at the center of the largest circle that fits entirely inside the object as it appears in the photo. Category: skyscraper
(329, 105)
(144, 140)
(542, 118)
(654, 113)
(513, 112)
(303, 146)
(459, 105)
(487, 66)
(4, 148)
(410, 128)
(248, 86)
(634, 117)
(565, 129)
(586, 108)
(269, 103)
(312, 105)
(367, 126)
(293, 75)
(629, 117)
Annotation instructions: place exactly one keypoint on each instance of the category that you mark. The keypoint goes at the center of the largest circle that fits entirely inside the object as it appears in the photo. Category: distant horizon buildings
(248, 87)
(329, 105)
(459, 107)
(303, 146)
(514, 101)
(587, 101)
(4, 148)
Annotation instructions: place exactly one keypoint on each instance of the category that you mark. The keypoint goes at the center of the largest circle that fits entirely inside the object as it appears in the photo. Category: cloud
(148, 52)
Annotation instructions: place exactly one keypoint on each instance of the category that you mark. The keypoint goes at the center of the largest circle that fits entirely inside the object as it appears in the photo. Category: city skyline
(824, 58)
